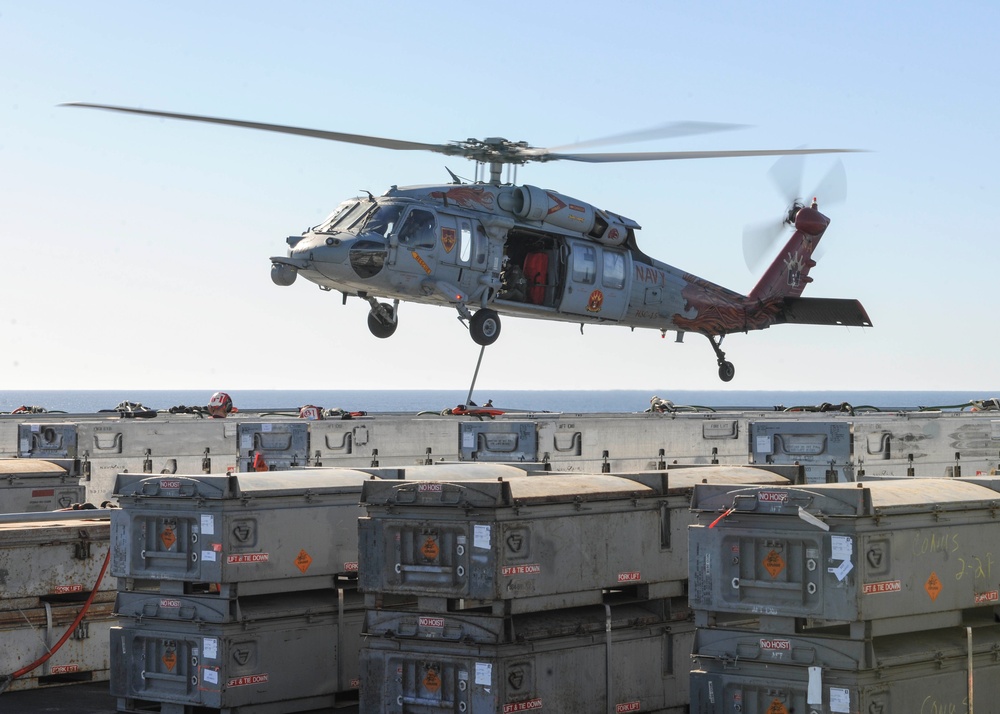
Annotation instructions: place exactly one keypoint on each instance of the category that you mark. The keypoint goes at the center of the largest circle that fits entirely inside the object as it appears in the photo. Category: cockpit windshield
(382, 220)
(344, 217)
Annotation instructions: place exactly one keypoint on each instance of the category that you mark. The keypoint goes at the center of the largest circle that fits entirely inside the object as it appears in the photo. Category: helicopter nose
(330, 254)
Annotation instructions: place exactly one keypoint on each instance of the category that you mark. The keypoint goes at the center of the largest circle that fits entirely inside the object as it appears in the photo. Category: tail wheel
(380, 322)
(485, 327)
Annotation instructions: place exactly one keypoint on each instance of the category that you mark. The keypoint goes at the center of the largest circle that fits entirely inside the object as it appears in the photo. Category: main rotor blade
(282, 129)
(670, 130)
(674, 155)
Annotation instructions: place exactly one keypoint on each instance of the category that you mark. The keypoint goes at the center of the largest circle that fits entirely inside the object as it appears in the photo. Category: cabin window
(418, 229)
(584, 264)
(464, 242)
(614, 270)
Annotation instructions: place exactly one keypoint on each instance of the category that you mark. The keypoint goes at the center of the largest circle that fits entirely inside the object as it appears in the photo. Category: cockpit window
(346, 215)
(418, 229)
(382, 220)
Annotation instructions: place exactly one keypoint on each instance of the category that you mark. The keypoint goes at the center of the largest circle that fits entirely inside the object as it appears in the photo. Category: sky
(135, 250)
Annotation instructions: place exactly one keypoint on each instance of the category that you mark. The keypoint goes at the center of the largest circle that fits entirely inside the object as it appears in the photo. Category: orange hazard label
(416, 257)
(432, 682)
(169, 659)
(303, 560)
(168, 537)
(430, 549)
(777, 708)
(933, 586)
(774, 563)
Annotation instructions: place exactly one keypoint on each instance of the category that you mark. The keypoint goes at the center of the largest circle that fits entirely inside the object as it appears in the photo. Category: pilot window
(383, 219)
(418, 229)
(584, 264)
(346, 214)
(614, 270)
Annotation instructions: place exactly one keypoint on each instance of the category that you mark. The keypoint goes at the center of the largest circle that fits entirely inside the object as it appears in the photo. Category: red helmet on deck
(220, 405)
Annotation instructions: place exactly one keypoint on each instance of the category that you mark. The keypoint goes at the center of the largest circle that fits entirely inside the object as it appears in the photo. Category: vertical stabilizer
(788, 275)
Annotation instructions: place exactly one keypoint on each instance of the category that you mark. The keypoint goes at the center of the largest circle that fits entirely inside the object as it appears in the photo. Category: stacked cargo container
(559, 592)
(55, 606)
(861, 597)
(236, 592)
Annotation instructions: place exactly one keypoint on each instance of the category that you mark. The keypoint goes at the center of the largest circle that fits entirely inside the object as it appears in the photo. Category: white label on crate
(814, 693)
(207, 524)
(842, 570)
(840, 700)
(469, 440)
(211, 647)
(841, 547)
(266, 427)
(247, 441)
(481, 536)
(484, 673)
(208, 556)
(25, 445)
(35, 428)
(763, 444)
(210, 675)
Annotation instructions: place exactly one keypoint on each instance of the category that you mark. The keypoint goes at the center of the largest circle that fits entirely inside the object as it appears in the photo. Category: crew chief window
(584, 264)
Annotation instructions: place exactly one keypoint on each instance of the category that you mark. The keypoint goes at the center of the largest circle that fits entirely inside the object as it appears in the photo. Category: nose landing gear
(382, 320)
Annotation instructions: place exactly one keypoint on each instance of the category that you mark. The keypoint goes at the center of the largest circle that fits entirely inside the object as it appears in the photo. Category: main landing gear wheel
(380, 322)
(485, 327)
(726, 369)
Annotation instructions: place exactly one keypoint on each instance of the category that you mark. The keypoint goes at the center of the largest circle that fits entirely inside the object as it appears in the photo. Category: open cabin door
(596, 281)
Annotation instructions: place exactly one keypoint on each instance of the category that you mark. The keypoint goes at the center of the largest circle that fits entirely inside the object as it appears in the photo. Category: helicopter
(488, 248)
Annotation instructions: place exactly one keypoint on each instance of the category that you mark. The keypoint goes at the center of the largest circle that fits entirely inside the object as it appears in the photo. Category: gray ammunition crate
(28, 634)
(385, 441)
(35, 485)
(872, 554)
(52, 560)
(823, 448)
(205, 608)
(497, 440)
(277, 445)
(545, 542)
(767, 674)
(576, 660)
(265, 532)
(39, 440)
(262, 664)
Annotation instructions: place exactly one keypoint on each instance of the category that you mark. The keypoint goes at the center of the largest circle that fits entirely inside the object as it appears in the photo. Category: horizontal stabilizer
(824, 311)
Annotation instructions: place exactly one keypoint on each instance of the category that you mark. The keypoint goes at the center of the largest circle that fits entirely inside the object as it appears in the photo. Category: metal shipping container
(505, 440)
(876, 553)
(273, 446)
(545, 542)
(28, 634)
(624, 659)
(35, 485)
(52, 560)
(382, 441)
(266, 532)
(922, 673)
(823, 448)
(305, 661)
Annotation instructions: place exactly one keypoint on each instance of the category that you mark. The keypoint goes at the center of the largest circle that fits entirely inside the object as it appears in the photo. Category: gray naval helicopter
(490, 248)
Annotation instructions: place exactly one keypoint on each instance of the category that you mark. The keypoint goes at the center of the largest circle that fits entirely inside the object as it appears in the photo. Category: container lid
(917, 495)
(684, 479)
(519, 491)
(268, 484)
(29, 468)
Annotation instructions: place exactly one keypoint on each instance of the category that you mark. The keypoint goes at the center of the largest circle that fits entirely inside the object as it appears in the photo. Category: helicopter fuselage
(523, 251)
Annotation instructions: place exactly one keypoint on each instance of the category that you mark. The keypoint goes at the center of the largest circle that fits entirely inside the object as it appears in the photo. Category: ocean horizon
(409, 401)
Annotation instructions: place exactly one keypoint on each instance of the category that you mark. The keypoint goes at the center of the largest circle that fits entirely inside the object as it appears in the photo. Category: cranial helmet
(220, 405)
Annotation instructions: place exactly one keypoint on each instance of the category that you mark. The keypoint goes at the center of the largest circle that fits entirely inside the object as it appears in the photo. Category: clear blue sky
(135, 250)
